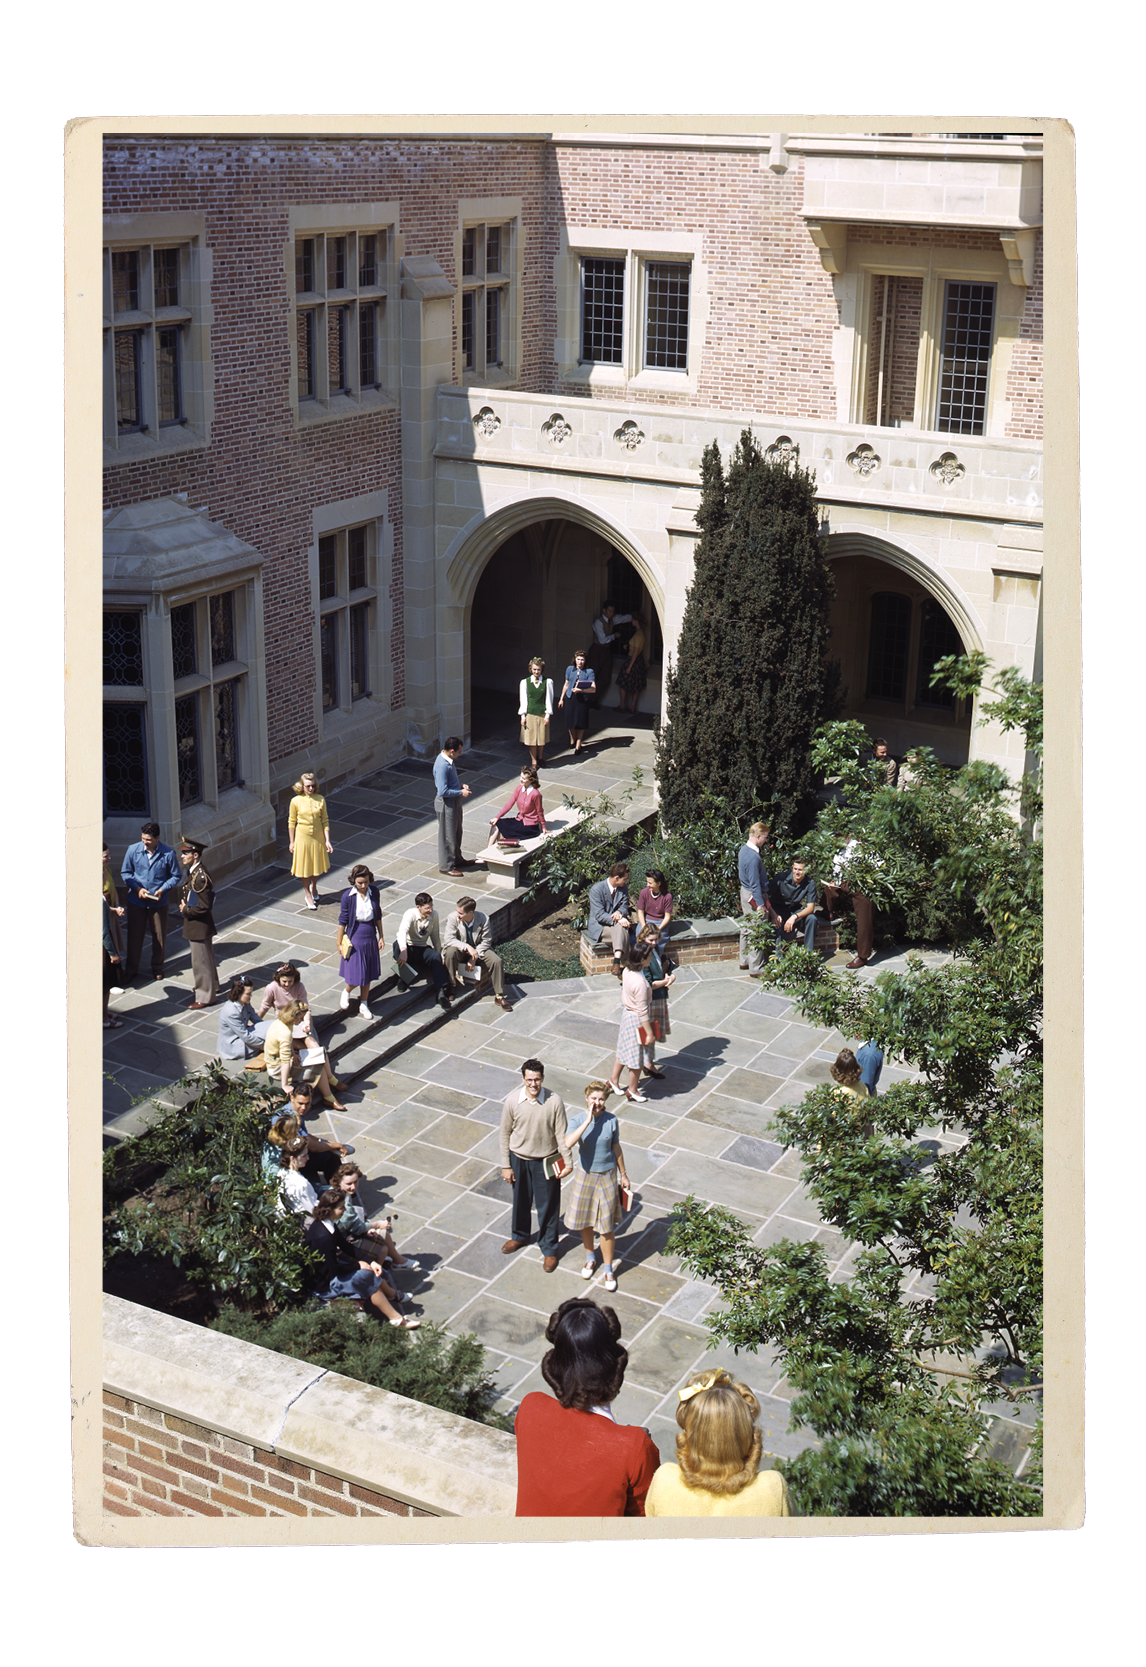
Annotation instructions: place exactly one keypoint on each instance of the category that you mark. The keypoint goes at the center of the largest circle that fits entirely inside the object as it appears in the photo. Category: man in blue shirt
(753, 879)
(151, 873)
(870, 1061)
(448, 796)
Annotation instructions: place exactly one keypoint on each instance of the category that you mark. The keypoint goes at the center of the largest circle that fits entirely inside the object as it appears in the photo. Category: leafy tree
(894, 1364)
(751, 680)
(429, 1366)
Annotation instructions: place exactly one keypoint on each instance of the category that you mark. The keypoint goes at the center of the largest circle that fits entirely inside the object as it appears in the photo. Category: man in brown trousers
(196, 900)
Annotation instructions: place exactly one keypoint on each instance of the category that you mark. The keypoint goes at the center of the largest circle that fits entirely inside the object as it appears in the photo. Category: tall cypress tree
(751, 681)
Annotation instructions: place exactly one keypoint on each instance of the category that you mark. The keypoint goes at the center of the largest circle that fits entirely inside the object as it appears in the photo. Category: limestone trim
(860, 541)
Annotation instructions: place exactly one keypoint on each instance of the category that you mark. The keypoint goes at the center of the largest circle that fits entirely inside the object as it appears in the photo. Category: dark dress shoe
(550, 1264)
(512, 1244)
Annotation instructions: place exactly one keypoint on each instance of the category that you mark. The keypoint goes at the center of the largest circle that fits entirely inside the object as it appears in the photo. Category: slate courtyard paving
(424, 1128)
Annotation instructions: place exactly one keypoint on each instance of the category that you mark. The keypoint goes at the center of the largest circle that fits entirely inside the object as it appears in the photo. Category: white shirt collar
(543, 1095)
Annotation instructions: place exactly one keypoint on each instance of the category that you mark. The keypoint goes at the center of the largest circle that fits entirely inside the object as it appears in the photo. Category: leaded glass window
(124, 761)
(492, 327)
(222, 610)
(492, 249)
(125, 280)
(305, 346)
(187, 749)
(122, 649)
(968, 326)
(368, 344)
(602, 311)
(327, 567)
(336, 348)
(304, 266)
(367, 262)
(937, 638)
(226, 735)
(888, 646)
(359, 652)
(128, 404)
(356, 557)
(486, 261)
(169, 379)
(666, 315)
(468, 328)
(329, 637)
(166, 271)
(184, 654)
(469, 240)
(336, 263)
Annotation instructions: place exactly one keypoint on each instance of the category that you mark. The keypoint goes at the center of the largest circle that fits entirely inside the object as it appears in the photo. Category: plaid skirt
(660, 1013)
(629, 1049)
(593, 1201)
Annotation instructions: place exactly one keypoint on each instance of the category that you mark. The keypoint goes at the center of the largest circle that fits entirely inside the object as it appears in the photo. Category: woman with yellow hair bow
(718, 1450)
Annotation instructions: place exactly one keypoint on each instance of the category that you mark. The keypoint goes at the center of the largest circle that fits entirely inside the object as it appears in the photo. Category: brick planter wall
(156, 1464)
(708, 941)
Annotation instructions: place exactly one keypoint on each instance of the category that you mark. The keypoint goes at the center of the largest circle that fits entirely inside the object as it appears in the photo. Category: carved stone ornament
(556, 430)
(783, 450)
(487, 422)
(629, 436)
(864, 461)
(948, 468)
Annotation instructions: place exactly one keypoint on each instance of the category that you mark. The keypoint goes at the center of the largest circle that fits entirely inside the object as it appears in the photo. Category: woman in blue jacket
(360, 922)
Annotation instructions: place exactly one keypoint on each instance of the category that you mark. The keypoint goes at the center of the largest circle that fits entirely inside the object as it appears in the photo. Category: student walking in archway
(535, 708)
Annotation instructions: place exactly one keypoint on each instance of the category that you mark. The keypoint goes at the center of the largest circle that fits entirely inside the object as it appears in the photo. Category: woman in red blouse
(530, 818)
(573, 1458)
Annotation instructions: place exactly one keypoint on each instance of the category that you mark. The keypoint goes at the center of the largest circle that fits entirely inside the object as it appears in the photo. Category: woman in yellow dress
(310, 846)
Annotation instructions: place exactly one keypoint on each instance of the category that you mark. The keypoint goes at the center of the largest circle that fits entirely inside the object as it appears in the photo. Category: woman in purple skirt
(360, 921)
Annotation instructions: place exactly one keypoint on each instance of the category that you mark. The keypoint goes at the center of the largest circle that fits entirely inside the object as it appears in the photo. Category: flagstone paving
(424, 1128)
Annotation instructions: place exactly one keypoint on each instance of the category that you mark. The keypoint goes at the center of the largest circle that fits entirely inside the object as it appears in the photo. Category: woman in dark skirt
(580, 687)
(635, 675)
(360, 922)
(661, 975)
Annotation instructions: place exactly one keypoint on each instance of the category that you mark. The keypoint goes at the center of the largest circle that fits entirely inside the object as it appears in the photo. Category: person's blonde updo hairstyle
(293, 1012)
(719, 1446)
(307, 775)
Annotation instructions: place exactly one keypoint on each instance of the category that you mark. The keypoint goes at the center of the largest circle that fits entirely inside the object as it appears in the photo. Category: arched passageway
(538, 594)
(891, 621)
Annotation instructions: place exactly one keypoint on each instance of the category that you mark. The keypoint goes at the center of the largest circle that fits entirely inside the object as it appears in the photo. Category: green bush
(521, 960)
(426, 1366)
(190, 1188)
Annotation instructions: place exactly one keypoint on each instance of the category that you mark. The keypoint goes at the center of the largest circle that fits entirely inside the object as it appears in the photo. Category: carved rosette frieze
(556, 430)
(629, 436)
(948, 469)
(783, 450)
(864, 460)
(486, 422)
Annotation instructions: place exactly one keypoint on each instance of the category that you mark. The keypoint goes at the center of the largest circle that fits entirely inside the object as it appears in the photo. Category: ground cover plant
(896, 1387)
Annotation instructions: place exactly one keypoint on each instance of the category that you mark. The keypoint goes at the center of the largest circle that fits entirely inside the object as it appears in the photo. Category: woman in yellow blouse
(718, 1451)
(310, 846)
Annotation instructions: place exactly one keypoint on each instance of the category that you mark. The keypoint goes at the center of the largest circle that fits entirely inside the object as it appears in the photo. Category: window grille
(666, 315)
(166, 273)
(122, 650)
(888, 646)
(184, 656)
(222, 610)
(304, 266)
(125, 280)
(485, 315)
(336, 348)
(359, 654)
(968, 320)
(170, 384)
(368, 344)
(468, 328)
(336, 263)
(492, 327)
(305, 338)
(492, 249)
(329, 635)
(187, 749)
(602, 311)
(124, 761)
(367, 262)
(128, 409)
(226, 735)
(937, 638)
(356, 557)
(340, 337)
(327, 567)
(469, 242)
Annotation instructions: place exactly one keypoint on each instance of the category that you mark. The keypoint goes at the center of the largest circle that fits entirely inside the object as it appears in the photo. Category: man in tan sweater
(532, 1128)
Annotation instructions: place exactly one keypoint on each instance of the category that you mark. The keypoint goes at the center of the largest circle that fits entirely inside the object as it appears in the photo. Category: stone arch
(860, 541)
(470, 550)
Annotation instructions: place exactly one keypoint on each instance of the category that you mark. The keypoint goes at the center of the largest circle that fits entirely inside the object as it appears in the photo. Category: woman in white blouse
(360, 938)
(535, 708)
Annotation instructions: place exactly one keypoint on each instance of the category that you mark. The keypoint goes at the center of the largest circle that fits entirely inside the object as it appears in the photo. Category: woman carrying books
(580, 687)
(595, 1204)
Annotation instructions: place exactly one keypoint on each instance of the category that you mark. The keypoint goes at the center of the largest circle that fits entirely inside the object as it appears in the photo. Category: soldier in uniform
(196, 898)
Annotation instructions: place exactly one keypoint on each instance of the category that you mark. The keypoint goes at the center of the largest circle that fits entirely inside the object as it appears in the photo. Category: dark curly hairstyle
(586, 1365)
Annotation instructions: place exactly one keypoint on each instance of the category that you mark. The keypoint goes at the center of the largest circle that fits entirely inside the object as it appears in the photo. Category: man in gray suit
(468, 941)
(610, 912)
(753, 893)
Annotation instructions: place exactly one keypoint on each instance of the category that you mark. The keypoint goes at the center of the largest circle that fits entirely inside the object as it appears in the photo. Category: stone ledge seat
(694, 941)
(505, 868)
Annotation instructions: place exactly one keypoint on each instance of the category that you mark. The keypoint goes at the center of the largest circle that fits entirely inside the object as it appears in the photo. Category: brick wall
(1025, 382)
(158, 1465)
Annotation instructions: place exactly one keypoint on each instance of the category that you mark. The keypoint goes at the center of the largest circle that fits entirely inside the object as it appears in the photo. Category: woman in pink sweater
(636, 1015)
(530, 818)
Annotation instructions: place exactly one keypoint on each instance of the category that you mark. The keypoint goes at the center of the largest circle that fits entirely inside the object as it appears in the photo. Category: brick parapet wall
(719, 946)
(156, 1464)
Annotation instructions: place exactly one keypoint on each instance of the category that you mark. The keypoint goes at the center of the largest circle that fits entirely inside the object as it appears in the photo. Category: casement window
(905, 640)
(209, 688)
(487, 276)
(968, 329)
(125, 783)
(659, 340)
(341, 327)
(347, 602)
(154, 347)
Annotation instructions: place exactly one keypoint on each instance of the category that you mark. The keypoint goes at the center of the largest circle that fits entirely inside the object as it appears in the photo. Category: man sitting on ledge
(610, 912)
(469, 941)
(794, 899)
